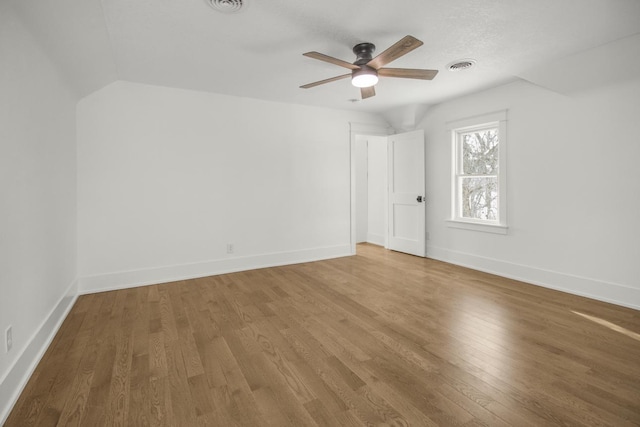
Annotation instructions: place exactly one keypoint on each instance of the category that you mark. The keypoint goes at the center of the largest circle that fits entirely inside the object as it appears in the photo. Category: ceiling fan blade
(402, 47)
(331, 60)
(408, 73)
(321, 82)
(367, 92)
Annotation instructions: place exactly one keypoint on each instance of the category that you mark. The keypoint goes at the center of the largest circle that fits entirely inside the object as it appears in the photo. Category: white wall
(573, 191)
(37, 202)
(377, 190)
(362, 189)
(371, 188)
(167, 178)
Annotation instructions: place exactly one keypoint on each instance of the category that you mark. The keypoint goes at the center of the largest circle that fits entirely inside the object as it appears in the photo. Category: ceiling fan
(366, 70)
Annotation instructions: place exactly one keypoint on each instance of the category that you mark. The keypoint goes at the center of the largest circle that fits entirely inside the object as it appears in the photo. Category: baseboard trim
(165, 274)
(613, 293)
(19, 373)
(376, 239)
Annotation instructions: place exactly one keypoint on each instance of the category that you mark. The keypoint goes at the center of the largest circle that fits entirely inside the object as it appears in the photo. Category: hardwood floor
(381, 338)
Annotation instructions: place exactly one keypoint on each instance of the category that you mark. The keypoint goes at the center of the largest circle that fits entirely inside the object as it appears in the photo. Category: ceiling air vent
(227, 6)
(463, 64)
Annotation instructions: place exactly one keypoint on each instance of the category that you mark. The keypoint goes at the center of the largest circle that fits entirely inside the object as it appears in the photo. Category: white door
(406, 193)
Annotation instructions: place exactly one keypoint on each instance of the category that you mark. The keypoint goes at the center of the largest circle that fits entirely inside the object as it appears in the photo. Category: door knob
(419, 199)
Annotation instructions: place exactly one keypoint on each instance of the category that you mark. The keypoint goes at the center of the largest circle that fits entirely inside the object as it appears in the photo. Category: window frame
(456, 130)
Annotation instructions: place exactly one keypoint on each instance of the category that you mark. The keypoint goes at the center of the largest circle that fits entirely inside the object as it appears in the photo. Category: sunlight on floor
(482, 336)
(609, 325)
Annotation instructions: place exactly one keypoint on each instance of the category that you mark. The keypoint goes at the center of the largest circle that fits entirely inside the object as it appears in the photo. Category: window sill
(475, 226)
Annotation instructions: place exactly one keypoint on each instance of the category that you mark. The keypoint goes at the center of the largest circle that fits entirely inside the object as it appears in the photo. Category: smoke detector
(227, 6)
(462, 64)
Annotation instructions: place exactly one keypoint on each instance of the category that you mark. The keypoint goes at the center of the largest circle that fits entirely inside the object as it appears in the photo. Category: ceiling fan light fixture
(366, 69)
(364, 77)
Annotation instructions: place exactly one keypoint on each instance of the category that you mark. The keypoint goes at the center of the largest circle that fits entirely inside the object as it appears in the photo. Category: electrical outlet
(229, 248)
(9, 338)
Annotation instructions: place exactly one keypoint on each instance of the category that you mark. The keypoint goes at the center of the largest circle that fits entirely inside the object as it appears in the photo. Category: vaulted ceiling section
(257, 52)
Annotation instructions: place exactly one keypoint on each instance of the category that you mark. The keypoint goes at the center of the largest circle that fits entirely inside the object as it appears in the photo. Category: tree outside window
(478, 179)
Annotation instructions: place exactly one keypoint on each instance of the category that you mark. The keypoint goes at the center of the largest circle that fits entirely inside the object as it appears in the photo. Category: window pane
(480, 152)
(479, 198)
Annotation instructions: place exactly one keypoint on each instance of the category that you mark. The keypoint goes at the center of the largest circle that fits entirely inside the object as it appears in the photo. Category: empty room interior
(319, 213)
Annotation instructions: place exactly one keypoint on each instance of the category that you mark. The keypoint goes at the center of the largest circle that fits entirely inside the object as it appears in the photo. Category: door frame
(355, 130)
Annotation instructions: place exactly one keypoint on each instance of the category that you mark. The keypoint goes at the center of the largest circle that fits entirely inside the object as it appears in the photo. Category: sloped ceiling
(258, 52)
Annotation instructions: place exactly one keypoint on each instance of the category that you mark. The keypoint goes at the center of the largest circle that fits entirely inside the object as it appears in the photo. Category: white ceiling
(258, 52)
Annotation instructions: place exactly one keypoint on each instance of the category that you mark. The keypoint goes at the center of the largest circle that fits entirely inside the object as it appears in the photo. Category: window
(479, 173)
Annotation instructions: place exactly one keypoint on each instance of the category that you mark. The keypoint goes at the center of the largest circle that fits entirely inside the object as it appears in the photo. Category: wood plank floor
(381, 338)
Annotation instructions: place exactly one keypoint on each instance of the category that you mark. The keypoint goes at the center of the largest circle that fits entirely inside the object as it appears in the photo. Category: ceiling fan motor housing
(365, 76)
(363, 52)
